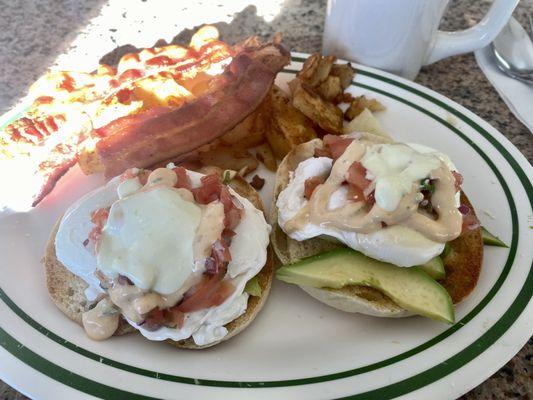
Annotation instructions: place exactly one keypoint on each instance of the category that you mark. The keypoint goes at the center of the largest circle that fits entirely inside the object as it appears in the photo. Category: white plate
(297, 347)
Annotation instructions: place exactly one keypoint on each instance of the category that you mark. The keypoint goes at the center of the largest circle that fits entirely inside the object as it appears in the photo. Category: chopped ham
(336, 145)
(209, 190)
(311, 184)
(357, 176)
(98, 218)
(233, 209)
(183, 179)
(210, 292)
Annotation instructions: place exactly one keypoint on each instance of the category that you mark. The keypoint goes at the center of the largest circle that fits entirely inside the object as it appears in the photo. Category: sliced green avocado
(434, 268)
(252, 287)
(490, 240)
(410, 288)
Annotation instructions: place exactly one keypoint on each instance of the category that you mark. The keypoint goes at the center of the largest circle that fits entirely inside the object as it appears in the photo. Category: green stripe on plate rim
(407, 385)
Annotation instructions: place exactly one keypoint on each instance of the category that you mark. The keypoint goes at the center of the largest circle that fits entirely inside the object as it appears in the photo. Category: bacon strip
(158, 134)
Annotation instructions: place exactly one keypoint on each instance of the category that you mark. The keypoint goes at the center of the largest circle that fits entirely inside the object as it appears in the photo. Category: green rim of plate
(405, 386)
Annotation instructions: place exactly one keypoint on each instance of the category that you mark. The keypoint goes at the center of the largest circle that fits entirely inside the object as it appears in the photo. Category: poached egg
(393, 168)
(149, 238)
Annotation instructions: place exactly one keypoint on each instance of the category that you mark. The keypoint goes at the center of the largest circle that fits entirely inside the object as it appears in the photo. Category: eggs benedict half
(368, 225)
(174, 254)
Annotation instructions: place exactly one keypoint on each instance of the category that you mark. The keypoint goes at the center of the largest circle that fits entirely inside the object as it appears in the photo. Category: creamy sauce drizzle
(208, 231)
(134, 302)
(102, 321)
(355, 216)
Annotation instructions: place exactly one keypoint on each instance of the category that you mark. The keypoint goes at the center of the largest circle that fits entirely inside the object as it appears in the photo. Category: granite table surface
(75, 34)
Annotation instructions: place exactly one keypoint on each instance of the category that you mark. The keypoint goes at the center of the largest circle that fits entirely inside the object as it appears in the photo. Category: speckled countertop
(38, 34)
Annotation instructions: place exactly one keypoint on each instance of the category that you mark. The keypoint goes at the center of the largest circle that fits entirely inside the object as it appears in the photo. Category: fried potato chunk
(316, 69)
(345, 72)
(288, 126)
(358, 105)
(330, 89)
(325, 114)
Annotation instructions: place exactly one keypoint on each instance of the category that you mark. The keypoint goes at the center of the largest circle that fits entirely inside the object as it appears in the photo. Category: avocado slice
(490, 240)
(434, 268)
(253, 288)
(410, 288)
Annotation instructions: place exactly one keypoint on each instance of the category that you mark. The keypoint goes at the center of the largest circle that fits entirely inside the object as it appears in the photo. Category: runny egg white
(143, 249)
(396, 244)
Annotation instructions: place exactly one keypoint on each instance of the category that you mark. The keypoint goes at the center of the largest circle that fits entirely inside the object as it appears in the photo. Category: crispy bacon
(149, 137)
(310, 185)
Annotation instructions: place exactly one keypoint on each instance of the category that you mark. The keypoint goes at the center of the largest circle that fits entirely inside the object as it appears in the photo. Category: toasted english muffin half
(462, 263)
(67, 290)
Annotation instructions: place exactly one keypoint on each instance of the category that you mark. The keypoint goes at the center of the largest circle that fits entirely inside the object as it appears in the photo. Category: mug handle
(480, 35)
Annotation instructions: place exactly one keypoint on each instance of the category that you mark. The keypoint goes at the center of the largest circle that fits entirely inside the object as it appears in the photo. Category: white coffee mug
(400, 36)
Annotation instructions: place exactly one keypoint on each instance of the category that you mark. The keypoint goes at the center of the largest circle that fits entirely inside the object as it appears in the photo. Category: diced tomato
(337, 145)
(183, 179)
(209, 190)
(458, 180)
(98, 218)
(311, 184)
(357, 176)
